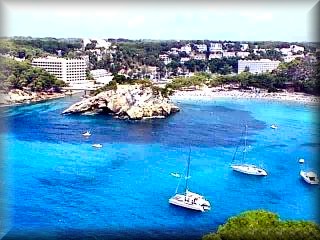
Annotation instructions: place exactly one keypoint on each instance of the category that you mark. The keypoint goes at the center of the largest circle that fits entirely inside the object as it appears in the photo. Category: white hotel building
(101, 76)
(72, 71)
(257, 66)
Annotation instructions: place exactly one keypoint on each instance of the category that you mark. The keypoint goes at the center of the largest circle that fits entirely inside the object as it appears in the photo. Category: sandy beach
(213, 93)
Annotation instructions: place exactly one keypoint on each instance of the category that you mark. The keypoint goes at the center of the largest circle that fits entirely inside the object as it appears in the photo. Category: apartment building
(71, 71)
(214, 47)
(165, 58)
(257, 66)
(202, 47)
(101, 76)
(243, 54)
(228, 54)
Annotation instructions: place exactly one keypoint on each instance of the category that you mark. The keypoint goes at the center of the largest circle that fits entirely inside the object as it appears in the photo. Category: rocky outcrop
(17, 96)
(127, 102)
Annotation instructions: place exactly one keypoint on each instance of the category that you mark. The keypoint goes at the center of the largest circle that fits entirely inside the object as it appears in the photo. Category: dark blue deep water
(59, 184)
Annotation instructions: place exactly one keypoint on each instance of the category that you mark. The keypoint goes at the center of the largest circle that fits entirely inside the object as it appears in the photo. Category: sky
(180, 20)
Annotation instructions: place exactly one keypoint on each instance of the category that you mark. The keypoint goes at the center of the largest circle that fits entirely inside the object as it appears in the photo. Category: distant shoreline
(41, 97)
(215, 93)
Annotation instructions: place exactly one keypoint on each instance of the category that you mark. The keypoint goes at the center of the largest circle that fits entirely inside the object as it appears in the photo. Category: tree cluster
(264, 225)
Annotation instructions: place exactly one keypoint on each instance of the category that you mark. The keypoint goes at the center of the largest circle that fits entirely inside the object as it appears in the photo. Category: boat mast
(188, 171)
(245, 144)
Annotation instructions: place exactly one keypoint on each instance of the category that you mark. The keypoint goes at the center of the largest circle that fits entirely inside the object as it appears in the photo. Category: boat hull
(307, 179)
(189, 203)
(250, 170)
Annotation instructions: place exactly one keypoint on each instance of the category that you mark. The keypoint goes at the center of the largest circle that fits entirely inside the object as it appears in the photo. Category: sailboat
(189, 199)
(248, 168)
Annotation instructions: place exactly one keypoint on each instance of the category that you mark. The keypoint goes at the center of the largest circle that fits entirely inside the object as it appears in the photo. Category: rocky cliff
(127, 102)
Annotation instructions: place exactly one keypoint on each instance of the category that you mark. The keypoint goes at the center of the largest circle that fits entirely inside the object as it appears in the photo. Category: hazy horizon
(231, 21)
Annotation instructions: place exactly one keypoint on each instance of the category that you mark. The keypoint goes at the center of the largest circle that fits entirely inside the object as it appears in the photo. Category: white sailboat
(248, 168)
(189, 199)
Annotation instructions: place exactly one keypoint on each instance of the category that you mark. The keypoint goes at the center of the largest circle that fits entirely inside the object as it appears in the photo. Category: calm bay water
(61, 184)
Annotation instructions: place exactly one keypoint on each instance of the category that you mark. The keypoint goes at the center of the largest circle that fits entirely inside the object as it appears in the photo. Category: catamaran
(247, 168)
(189, 199)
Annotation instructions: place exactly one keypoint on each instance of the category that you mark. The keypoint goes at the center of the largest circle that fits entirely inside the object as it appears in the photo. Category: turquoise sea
(59, 185)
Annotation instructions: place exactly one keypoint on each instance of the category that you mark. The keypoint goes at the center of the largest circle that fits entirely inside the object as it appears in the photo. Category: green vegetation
(144, 83)
(19, 75)
(50, 45)
(264, 225)
(198, 79)
(35, 47)
(8, 46)
(112, 85)
(301, 74)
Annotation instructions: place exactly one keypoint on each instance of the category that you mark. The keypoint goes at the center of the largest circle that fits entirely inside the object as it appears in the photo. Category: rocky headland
(17, 96)
(133, 102)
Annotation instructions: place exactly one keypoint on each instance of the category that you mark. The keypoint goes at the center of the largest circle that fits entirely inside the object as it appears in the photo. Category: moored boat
(97, 145)
(249, 169)
(188, 199)
(86, 134)
(309, 177)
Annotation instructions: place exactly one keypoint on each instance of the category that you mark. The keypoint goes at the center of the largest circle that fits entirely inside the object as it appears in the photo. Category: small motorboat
(309, 177)
(97, 145)
(86, 134)
(301, 160)
(273, 126)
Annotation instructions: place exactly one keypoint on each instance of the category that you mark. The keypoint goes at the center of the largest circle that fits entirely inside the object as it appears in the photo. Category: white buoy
(301, 160)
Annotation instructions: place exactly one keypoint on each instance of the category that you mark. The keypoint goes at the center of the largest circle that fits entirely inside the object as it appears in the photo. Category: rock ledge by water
(127, 102)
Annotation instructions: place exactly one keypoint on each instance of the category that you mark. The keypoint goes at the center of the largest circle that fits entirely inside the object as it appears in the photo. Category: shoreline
(213, 93)
(36, 98)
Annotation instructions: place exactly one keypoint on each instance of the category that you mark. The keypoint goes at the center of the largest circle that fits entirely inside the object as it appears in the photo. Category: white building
(187, 49)
(290, 58)
(214, 47)
(201, 47)
(228, 54)
(85, 42)
(174, 51)
(200, 56)
(71, 71)
(101, 76)
(215, 55)
(101, 43)
(86, 59)
(244, 46)
(184, 59)
(257, 66)
(295, 48)
(243, 54)
(286, 51)
(165, 58)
